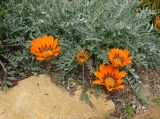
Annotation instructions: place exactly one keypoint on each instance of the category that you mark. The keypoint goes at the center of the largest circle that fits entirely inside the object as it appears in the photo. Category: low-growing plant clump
(94, 42)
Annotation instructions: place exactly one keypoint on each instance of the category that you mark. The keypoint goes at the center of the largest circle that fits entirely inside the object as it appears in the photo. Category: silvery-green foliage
(133, 80)
(95, 25)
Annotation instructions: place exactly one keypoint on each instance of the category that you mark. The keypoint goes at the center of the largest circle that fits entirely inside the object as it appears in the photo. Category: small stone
(134, 106)
(143, 107)
(145, 110)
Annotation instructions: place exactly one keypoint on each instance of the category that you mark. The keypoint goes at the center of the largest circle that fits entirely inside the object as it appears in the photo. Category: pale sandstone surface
(38, 98)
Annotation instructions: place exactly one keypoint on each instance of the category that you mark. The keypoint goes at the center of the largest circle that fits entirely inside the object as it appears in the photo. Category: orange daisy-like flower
(82, 56)
(110, 77)
(157, 21)
(119, 58)
(45, 47)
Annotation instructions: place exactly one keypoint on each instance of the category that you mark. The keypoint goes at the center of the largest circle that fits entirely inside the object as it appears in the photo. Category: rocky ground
(35, 95)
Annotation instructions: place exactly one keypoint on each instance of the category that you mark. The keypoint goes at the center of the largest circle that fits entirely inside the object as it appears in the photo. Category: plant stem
(4, 69)
(83, 75)
(4, 77)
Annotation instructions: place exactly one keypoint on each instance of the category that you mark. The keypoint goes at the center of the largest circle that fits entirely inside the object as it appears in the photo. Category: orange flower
(157, 21)
(110, 77)
(45, 47)
(82, 56)
(119, 58)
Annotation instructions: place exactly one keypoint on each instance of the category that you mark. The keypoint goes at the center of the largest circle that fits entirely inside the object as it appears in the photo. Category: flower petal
(120, 87)
(119, 58)
(40, 58)
(122, 74)
(55, 43)
(56, 51)
(99, 75)
(43, 47)
(98, 82)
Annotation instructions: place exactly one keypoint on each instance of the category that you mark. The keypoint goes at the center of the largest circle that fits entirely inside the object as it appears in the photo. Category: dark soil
(1, 75)
(127, 105)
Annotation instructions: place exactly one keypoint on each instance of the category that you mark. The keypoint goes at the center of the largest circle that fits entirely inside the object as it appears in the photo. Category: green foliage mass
(157, 100)
(95, 25)
(129, 111)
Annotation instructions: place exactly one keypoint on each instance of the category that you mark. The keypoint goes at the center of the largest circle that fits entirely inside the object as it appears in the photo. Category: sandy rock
(38, 98)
